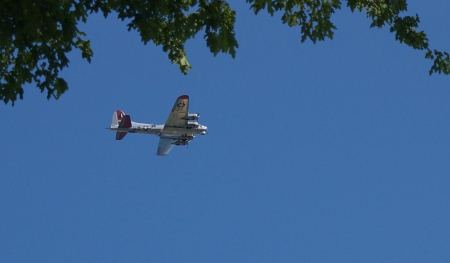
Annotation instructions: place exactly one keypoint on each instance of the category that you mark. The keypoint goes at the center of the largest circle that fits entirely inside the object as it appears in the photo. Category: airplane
(180, 127)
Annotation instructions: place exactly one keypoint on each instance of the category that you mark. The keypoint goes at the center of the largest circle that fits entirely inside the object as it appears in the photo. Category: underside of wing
(177, 117)
(165, 146)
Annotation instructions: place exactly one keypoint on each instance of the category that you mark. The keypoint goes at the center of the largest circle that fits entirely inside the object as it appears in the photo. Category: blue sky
(334, 152)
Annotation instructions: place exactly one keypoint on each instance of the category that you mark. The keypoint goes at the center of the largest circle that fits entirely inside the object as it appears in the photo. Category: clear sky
(334, 152)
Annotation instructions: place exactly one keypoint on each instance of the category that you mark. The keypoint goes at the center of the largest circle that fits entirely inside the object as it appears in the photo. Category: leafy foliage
(313, 16)
(34, 40)
(35, 36)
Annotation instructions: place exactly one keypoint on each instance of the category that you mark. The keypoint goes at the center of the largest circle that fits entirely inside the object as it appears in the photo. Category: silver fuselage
(158, 129)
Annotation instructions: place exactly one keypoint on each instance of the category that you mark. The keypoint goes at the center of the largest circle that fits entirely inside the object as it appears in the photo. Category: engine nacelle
(181, 142)
(192, 124)
(186, 137)
(192, 116)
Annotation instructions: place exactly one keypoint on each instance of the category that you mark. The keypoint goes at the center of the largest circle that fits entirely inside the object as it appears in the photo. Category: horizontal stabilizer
(120, 135)
(125, 122)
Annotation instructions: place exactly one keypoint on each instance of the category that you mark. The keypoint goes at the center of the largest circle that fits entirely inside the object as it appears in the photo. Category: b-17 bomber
(179, 129)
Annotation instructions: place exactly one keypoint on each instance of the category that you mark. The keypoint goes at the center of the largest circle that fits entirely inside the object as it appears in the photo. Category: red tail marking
(125, 122)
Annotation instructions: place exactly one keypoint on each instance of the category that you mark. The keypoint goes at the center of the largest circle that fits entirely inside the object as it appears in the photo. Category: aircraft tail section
(120, 120)
(116, 118)
(120, 135)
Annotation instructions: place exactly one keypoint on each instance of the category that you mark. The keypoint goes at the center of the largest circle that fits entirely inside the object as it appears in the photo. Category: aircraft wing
(165, 146)
(177, 117)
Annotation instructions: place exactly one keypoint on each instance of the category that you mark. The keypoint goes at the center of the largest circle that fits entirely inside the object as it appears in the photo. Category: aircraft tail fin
(116, 118)
(120, 120)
